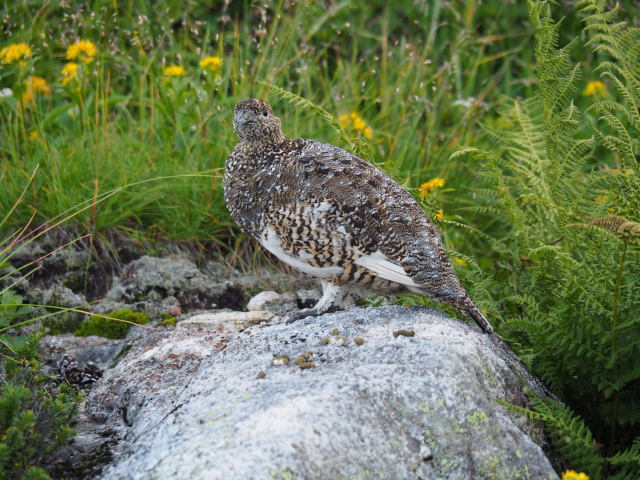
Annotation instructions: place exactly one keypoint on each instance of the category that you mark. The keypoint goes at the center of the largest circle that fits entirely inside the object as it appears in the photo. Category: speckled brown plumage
(335, 216)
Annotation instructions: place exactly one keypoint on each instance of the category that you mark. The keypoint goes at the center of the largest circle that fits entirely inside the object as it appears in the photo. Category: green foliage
(573, 439)
(562, 205)
(116, 326)
(35, 410)
(401, 66)
(35, 413)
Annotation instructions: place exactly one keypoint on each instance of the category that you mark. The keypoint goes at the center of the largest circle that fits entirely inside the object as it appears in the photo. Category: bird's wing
(379, 264)
(391, 233)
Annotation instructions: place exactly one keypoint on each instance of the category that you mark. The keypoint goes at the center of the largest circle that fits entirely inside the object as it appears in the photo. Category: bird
(334, 216)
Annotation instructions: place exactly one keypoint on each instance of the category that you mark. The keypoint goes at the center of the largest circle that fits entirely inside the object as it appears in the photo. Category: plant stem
(615, 319)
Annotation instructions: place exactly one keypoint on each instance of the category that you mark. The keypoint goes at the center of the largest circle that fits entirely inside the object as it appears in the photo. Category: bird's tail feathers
(473, 312)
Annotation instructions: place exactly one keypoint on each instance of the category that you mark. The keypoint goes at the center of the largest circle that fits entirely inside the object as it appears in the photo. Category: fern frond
(632, 104)
(630, 456)
(570, 434)
(472, 229)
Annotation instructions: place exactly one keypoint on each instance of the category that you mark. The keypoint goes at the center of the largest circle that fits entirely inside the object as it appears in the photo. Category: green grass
(402, 69)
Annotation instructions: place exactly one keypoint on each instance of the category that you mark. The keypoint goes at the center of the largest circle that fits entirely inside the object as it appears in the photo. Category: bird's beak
(240, 119)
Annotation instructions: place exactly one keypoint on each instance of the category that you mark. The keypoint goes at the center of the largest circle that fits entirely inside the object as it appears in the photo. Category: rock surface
(187, 403)
(226, 321)
(155, 285)
(100, 351)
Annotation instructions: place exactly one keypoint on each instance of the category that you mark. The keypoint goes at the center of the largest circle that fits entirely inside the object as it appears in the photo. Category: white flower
(6, 92)
(470, 102)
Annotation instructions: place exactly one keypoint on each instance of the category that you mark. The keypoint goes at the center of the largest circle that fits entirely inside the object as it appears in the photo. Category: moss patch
(167, 320)
(112, 328)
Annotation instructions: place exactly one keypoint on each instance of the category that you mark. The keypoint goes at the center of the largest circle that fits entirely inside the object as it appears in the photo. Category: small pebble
(324, 340)
(404, 333)
(261, 374)
(358, 341)
(335, 331)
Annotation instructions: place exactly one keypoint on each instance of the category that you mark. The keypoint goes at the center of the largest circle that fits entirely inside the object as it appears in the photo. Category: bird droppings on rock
(339, 340)
(261, 375)
(404, 333)
(304, 360)
(280, 360)
(358, 341)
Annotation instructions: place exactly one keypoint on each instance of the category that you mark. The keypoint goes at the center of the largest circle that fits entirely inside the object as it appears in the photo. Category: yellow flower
(356, 122)
(15, 51)
(211, 63)
(602, 198)
(34, 84)
(83, 50)
(439, 215)
(174, 71)
(69, 72)
(460, 261)
(34, 135)
(359, 124)
(432, 184)
(573, 475)
(595, 87)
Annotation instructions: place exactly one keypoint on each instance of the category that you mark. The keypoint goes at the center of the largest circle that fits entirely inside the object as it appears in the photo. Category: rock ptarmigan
(335, 216)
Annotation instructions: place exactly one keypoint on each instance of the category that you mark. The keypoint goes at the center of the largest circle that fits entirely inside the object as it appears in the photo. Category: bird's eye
(265, 114)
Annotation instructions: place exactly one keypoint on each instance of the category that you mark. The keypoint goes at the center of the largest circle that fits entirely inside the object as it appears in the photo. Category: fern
(565, 282)
(573, 439)
(570, 435)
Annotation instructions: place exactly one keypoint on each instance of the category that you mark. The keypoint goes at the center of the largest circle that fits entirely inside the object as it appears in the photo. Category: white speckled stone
(275, 302)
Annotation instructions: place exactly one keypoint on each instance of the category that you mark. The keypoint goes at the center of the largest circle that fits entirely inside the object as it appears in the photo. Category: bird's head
(254, 121)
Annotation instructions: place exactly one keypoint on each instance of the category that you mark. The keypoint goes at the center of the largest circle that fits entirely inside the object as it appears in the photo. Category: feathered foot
(331, 301)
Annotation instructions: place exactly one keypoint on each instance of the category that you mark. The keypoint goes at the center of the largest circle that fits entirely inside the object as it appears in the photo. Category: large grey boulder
(353, 401)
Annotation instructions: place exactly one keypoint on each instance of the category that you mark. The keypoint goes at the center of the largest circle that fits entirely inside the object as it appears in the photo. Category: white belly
(273, 244)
